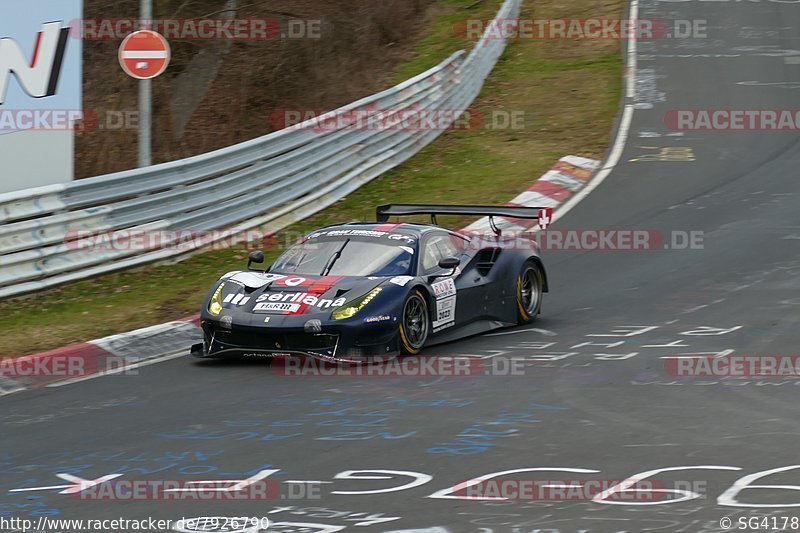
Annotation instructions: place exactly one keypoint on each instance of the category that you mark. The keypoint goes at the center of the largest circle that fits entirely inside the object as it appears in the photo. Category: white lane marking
(696, 308)
(11, 391)
(436, 529)
(659, 445)
(622, 133)
(537, 330)
(121, 370)
(75, 486)
(699, 355)
(48, 487)
(434, 382)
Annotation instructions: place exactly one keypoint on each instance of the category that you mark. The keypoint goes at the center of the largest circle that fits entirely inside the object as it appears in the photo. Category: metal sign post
(145, 102)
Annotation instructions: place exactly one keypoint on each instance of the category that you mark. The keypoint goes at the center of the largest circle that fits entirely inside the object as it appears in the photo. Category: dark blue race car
(357, 291)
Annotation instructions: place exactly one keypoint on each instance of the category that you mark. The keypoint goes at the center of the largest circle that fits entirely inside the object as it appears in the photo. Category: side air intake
(486, 259)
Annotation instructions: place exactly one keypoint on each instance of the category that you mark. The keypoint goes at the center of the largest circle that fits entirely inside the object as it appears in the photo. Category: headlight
(351, 308)
(215, 305)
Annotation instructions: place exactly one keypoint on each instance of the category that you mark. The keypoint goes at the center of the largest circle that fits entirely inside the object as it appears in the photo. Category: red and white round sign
(144, 54)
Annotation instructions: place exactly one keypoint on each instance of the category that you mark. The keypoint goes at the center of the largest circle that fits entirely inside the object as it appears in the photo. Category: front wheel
(414, 324)
(530, 288)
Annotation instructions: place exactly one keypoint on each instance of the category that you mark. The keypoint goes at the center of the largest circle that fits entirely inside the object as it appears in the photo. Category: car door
(457, 300)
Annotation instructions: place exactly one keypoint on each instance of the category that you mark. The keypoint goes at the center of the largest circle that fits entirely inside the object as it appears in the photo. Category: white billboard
(40, 91)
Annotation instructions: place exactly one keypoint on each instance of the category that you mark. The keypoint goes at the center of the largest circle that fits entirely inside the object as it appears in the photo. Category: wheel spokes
(529, 291)
(415, 321)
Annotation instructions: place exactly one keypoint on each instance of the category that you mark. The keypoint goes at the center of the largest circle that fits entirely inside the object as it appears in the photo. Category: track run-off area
(593, 395)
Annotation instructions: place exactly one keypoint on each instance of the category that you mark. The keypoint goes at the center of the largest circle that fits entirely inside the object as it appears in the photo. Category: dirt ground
(318, 54)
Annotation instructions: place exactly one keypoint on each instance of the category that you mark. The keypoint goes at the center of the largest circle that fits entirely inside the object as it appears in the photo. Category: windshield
(346, 257)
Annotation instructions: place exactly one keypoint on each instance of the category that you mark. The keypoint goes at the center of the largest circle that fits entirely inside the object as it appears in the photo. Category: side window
(437, 248)
(453, 245)
(433, 254)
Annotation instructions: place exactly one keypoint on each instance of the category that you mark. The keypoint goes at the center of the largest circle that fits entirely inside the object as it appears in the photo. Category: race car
(356, 291)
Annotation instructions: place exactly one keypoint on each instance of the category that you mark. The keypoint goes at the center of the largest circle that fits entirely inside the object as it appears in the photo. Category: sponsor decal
(226, 322)
(445, 313)
(236, 299)
(401, 280)
(410, 239)
(401, 237)
(444, 288)
(254, 280)
(280, 307)
(297, 298)
(39, 76)
(376, 319)
(445, 293)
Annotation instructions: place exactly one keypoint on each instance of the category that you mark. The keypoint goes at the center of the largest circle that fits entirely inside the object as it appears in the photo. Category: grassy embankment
(569, 91)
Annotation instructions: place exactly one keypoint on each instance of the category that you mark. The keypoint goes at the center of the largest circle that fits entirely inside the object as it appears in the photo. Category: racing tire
(529, 293)
(415, 323)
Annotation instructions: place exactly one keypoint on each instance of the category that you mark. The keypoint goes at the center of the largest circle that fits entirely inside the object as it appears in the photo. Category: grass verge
(568, 90)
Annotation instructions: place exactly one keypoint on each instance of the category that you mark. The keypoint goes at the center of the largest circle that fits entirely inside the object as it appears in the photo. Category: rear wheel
(414, 324)
(530, 288)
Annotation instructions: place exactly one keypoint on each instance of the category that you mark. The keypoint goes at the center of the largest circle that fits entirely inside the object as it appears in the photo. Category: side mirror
(256, 257)
(447, 263)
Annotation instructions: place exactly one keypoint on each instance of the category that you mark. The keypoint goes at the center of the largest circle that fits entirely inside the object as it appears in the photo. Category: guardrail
(268, 182)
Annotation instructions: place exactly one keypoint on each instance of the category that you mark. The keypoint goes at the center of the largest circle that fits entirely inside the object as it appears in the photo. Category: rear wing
(543, 214)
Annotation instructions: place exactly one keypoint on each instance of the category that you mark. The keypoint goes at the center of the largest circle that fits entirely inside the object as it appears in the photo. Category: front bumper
(353, 342)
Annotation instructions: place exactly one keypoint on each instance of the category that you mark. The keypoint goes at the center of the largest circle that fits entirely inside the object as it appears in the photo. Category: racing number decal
(293, 282)
(445, 293)
(445, 313)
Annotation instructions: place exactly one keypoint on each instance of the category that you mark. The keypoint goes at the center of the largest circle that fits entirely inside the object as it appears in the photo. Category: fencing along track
(269, 182)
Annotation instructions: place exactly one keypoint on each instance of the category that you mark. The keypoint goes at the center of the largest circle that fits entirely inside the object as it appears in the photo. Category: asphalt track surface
(594, 394)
